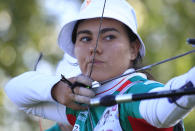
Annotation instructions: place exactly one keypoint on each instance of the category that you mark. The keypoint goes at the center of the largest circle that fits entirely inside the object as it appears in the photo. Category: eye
(85, 39)
(109, 37)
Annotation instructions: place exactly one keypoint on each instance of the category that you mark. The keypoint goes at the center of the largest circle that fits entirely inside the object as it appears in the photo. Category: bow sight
(191, 41)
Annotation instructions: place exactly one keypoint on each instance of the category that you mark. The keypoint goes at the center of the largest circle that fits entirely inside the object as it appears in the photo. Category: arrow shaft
(111, 100)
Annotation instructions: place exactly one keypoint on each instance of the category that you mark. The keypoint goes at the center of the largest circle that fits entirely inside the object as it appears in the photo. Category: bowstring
(95, 49)
(101, 20)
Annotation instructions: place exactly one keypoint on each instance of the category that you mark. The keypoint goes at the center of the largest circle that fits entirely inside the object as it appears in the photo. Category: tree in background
(29, 31)
(26, 30)
(165, 25)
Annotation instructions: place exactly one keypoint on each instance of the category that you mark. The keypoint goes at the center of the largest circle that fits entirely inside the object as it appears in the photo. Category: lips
(96, 61)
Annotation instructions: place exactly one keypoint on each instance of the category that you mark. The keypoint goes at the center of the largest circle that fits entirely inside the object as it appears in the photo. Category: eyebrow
(84, 32)
(102, 31)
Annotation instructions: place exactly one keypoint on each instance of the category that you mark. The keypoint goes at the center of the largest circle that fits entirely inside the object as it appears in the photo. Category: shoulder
(142, 84)
(139, 84)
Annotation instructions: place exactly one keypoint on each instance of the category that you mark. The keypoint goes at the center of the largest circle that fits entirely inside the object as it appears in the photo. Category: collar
(112, 86)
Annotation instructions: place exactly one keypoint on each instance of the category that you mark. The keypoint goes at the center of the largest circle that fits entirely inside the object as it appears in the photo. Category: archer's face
(113, 54)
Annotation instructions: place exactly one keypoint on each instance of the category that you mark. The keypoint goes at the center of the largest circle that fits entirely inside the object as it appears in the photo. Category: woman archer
(118, 51)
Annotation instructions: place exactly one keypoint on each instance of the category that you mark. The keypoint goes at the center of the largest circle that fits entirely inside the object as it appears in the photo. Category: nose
(96, 47)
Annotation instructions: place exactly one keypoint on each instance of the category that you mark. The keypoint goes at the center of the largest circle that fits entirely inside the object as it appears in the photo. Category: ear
(135, 46)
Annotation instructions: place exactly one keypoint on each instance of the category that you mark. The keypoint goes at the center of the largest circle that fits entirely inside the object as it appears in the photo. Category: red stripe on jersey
(110, 88)
(124, 85)
(71, 119)
(141, 125)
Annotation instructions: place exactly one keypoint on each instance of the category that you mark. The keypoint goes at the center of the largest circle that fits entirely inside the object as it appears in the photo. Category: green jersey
(127, 114)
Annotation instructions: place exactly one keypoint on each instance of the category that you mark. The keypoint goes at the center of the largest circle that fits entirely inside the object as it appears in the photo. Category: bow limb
(148, 67)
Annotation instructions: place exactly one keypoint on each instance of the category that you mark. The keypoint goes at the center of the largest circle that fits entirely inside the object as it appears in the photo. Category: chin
(99, 78)
(104, 75)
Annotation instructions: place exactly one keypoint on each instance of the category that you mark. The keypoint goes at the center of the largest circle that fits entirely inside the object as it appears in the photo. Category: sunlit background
(28, 27)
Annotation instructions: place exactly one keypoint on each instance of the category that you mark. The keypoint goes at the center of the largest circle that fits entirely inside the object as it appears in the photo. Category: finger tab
(84, 92)
(84, 80)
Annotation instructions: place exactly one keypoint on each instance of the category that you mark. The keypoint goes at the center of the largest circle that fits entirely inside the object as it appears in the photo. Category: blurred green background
(27, 28)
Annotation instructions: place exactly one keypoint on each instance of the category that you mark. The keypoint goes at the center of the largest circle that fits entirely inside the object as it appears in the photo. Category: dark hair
(137, 63)
(132, 38)
(74, 32)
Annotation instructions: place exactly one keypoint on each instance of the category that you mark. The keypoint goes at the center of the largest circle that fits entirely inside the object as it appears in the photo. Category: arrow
(111, 100)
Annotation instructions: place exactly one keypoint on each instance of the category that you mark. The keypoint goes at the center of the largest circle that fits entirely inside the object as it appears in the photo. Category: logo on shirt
(76, 127)
(82, 116)
(109, 120)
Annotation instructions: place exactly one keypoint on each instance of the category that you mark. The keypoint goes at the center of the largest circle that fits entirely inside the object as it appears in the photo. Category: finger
(84, 79)
(75, 106)
(84, 92)
(82, 99)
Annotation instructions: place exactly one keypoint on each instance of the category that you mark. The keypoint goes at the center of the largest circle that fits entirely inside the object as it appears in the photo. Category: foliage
(26, 30)
(164, 26)
(164, 29)
(27, 33)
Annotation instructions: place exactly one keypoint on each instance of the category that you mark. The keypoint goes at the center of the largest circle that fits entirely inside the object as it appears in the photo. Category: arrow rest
(111, 100)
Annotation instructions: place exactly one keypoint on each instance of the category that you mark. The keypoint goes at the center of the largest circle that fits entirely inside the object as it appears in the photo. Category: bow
(148, 66)
(112, 100)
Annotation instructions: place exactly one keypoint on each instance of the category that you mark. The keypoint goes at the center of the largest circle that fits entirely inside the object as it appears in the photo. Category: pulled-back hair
(132, 38)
